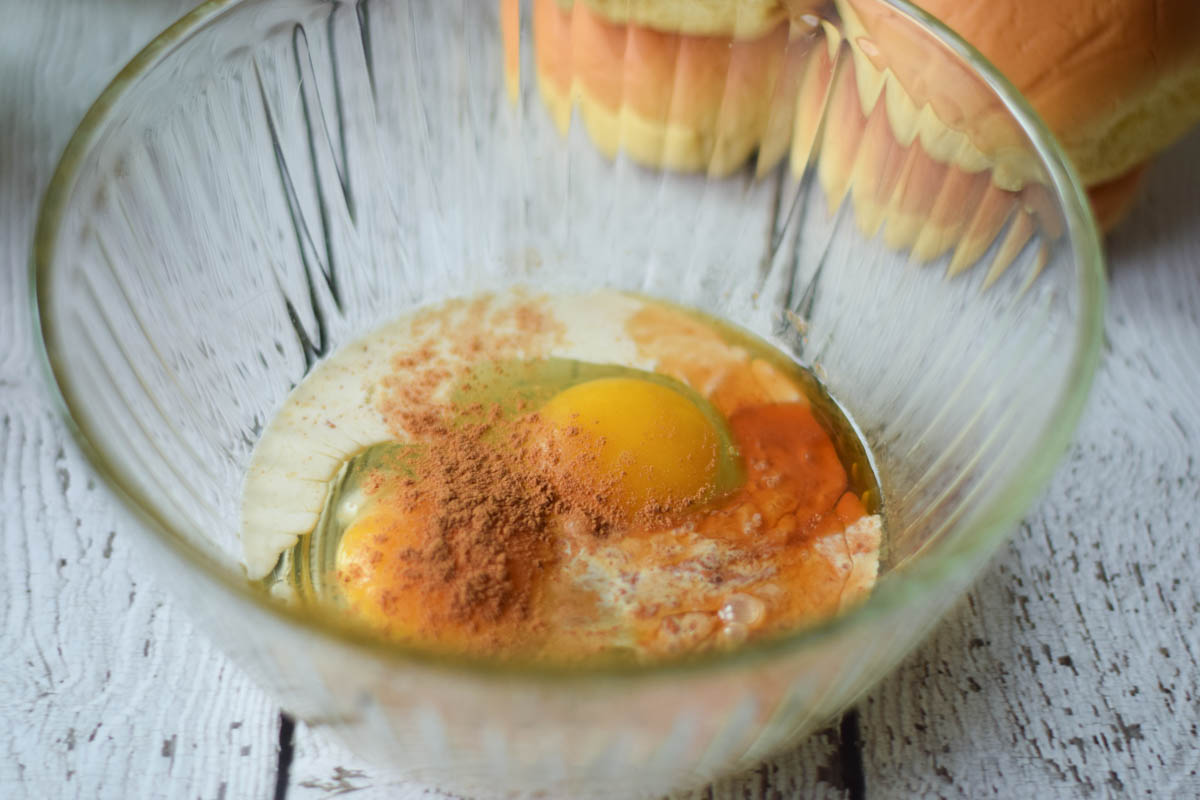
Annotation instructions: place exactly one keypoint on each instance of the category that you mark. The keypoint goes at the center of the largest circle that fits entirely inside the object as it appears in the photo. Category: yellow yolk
(371, 570)
(644, 444)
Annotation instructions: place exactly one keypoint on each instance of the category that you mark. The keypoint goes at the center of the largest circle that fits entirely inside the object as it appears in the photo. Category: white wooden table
(1072, 669)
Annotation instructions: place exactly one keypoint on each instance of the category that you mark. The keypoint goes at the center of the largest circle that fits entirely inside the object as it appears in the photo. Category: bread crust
(1115, 80)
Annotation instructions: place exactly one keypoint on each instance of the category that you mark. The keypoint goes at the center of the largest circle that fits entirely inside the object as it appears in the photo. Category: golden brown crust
(929, 138)
(932, 97)
(1116, 80)
(898, 190)
(669, 100)
(1112, 200)
(510, 34)
(740, 19)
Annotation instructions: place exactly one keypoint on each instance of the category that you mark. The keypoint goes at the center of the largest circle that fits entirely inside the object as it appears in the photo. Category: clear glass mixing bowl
(272, 178)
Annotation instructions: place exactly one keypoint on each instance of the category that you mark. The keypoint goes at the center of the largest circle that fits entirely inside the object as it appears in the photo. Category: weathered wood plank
(321, 769)
(105, 688)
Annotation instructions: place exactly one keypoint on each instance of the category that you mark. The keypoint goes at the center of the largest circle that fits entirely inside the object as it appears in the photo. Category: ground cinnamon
(496, 494)
(489, 488)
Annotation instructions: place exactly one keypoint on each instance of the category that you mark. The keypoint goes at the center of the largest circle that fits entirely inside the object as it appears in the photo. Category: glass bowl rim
(993, 524)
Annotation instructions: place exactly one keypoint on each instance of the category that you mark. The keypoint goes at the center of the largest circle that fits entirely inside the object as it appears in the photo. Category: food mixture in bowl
(562, 478)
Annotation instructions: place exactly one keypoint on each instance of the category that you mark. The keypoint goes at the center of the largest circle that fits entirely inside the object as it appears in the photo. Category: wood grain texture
(1070, 671)
(1071, 668)
(321, 769)
(105, 688)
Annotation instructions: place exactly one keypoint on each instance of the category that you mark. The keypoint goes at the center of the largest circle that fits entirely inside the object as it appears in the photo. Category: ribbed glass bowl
(272, 178)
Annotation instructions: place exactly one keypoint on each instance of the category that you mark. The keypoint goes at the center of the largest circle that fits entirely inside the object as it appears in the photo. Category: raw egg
(564, 478)
(375, 557)
(644, 444)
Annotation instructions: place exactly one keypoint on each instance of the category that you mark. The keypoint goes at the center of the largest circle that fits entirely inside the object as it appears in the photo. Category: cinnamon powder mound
(492, 494)
(487, 537)
(486, 534)
(493, 498)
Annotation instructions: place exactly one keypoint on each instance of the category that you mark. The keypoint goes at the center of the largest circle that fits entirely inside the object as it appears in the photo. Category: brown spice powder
(492, 489)
(486, 535)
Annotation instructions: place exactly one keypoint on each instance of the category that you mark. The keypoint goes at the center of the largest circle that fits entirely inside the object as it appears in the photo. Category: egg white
(332, 414)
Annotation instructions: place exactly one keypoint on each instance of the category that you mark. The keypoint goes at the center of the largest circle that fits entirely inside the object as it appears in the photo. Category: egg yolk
(645, 445)
(371, 568)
